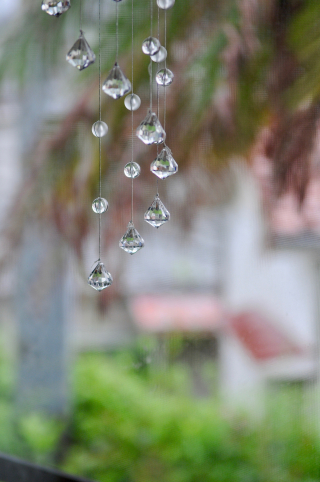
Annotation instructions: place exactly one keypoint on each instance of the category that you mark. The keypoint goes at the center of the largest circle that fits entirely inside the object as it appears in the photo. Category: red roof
(261, 338)
(177, 313)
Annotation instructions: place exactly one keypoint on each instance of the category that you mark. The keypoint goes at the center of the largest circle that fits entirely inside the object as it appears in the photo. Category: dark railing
(15, 470)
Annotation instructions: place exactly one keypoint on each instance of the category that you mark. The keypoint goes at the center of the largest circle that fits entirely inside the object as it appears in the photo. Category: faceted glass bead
(160, 56)
(55, 7)
(157, 214)
(100, 278)
(165, 4)
(132, 170)
(164, 77)
(99, 129)
(164, 165)
(116, 84)
(151, 46)
(80, 55)
(150, 131)
(132, 102)
(100, 205)
(131, 241)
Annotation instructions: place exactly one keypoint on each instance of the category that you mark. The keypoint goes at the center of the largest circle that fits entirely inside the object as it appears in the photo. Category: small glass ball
(99, 129)
(132, 170)
(164, 77)
(132, 102)
(100, 205)
(160, 56)
(165, 4)
(150, 46)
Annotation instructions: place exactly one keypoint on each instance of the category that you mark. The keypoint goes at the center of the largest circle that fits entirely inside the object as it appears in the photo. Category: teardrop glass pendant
(131, 241)
(164, 164)
(164, 77)
(55, 7)
(157, 214)
(116, 84)
(99, 277)
(81, 55)
(150, 131)
(150, 46)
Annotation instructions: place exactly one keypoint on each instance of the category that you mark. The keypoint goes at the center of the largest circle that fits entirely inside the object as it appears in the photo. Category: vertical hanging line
(117, 32)
(100, 121)
(165, 66)
(132, 136)
(150, 66)
(80, 16)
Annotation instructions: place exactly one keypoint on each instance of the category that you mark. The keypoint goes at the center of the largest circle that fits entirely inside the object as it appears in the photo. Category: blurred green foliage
(135, 421)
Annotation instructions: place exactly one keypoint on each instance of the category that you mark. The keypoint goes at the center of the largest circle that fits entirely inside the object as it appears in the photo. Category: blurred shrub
(129, 428)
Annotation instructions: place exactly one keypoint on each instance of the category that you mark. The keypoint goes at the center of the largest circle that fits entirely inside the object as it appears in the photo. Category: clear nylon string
(165, 66)
(117, 32)
(80, 15)
(150, 66)
(100, 121)
(131, 169)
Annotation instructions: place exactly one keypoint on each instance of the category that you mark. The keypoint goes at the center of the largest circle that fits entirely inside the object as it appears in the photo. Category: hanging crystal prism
(150, 131)
(132, 170)
(116, 84)
(100, 205)
(100, 278)
(150, 46)
(164, 164)
(55, 7)
(131, 241)
(157, 214)
(81, 55)
(164, 77)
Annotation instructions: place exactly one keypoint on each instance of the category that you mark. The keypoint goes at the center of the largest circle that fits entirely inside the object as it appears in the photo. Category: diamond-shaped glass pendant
(157, 214)
(164, 164)
(55, 7)
(150, 131)
(131, 241)
(80, 55)
(100, 278)
(116, 84)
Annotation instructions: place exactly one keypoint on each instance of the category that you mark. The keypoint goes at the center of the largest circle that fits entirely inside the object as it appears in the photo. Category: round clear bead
(99, 129)
(164, 77)
(100, 205)
(132, 170)
(132, 102)
(160, 56)
(151, 46)
(165, 4)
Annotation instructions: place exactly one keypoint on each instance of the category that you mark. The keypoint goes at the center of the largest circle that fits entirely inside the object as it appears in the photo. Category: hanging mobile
(164, 164)
(116, 84)
(99, 277)
(81, 55)
(55, 7)
(131, 241)
(157, 214)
